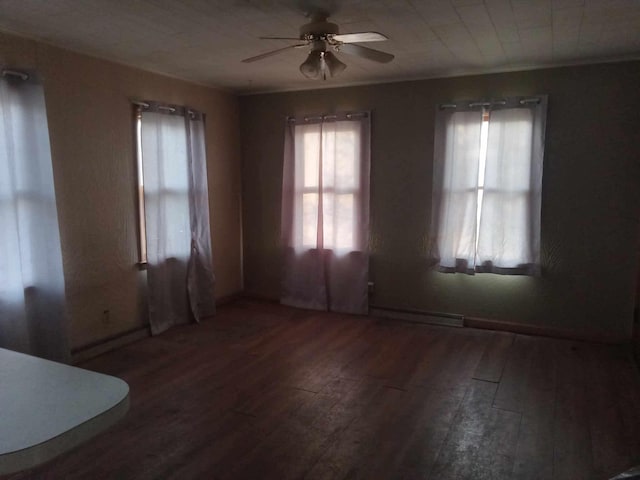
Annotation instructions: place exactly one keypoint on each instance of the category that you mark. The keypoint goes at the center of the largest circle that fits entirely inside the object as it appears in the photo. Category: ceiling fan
(321, 37)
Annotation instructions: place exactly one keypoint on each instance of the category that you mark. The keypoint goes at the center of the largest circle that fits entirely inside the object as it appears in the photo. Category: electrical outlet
(106, 317)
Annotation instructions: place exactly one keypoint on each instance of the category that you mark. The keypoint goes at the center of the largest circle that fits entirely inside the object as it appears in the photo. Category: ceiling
(205, 40)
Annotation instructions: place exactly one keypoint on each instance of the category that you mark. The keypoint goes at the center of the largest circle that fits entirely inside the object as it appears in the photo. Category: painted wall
(90, 125)
(590, 205)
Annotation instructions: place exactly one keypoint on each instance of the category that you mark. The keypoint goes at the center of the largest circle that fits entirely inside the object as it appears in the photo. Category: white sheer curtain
(200, 277)
(325, 213)
(487, 186)
(32, 296)
(455, 195)
(179, 272)
(509, 231)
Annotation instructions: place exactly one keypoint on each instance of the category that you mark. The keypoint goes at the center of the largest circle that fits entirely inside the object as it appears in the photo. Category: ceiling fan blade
(272, 52)
(360, 37)
(280, 38)
(364, 52)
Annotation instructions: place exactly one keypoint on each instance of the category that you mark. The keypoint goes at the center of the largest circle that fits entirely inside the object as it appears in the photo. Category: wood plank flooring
(268, 392)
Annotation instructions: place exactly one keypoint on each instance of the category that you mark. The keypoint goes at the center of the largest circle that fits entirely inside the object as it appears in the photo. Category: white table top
(48, 408)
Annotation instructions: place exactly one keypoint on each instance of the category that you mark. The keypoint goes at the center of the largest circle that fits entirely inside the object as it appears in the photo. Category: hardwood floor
(264, 391)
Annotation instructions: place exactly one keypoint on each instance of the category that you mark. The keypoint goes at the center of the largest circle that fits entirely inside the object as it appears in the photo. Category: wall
(90, 125)
(590, 205)
(636, 319)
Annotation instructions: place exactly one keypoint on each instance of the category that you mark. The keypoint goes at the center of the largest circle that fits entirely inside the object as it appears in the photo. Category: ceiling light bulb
(311, 67)
(335, 66)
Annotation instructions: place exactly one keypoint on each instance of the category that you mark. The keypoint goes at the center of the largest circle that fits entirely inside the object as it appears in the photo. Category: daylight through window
(487, 185)
(328, 160)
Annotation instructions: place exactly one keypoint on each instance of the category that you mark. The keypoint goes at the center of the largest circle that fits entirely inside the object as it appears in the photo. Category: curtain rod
(522, 101)
(348, 116)
(167, 108)
(15, 73)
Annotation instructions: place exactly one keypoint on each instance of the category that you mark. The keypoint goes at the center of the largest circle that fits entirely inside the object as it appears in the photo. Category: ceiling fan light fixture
(320, 64)
(312, 66)
(335, 66)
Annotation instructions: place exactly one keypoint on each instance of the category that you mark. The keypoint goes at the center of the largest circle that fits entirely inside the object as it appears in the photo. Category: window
(162, 185)
(32, 318)
(173, 200)
(325, 212)
(487, 184)
(328, 164)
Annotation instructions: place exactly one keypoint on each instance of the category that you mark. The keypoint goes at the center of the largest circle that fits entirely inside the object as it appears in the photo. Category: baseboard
(542, 331)
(229, 298)
(258, 297)
(87, 352)
(456, 320)
(417, 316)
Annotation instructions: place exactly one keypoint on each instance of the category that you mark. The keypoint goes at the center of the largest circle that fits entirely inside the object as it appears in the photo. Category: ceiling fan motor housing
(318, 30)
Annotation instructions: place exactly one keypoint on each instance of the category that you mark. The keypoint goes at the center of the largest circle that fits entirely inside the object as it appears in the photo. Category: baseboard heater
(418, 316)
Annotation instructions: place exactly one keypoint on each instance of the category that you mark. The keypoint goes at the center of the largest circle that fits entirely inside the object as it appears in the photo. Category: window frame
(141, 211)
(320, 190)
(144, 194)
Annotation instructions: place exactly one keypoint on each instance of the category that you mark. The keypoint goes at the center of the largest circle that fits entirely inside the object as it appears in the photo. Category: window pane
(164, 152)
(346, 159)
(166, 186)
(142, 223)
(484, 134)
(340, 156)
(458, 230)
(11, 285)
(504, 236)
(329, 156)
(344, 222)
(328, 220)
(509, 147)
(176, 208)
(338, 224)
(310, 164)
(338, 145)
(174, 148)
(309, 219)
(462, 151)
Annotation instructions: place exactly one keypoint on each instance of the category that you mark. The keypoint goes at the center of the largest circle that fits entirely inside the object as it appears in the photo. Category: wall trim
(226, 299)
(456, 320)
(87, 352)
(417, 316)
(119, 340)
(542, 331)
(258, 297)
